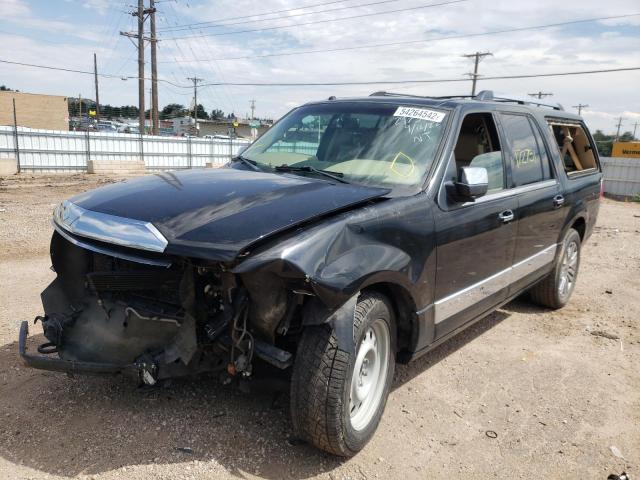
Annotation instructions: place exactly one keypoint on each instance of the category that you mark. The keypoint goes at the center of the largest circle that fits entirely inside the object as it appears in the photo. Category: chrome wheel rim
(369, 374)
(568, 269)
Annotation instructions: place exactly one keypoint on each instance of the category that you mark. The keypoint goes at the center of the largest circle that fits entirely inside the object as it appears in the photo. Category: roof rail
(482, 96)
(526, 101)
(391, 94)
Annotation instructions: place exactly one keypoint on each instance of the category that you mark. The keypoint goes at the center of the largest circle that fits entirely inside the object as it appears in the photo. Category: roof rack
(482, 96)
(391, 94)
(488, 95)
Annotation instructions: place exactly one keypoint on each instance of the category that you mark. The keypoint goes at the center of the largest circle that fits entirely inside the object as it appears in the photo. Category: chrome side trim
(106, 228)
(465, 298)
(531, 264)
(509, 192)
(425, 309)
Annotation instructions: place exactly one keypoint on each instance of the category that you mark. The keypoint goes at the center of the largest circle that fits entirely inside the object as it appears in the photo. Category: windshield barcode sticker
(421, 113)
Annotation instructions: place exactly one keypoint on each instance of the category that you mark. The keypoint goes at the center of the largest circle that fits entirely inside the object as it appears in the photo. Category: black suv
(354, 234)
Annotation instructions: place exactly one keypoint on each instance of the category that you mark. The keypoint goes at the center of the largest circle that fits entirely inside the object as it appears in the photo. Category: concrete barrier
(8, 166)
(116, 167)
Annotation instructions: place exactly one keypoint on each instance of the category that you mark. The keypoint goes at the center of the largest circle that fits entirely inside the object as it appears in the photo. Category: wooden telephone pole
(474, 76)
(195, 81)
(95, 78)
(540, 95)
(580, 106)
(140, 13)
(154, 70)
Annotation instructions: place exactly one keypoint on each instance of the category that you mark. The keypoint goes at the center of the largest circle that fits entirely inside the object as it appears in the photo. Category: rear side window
(575, 148)
(529, 162)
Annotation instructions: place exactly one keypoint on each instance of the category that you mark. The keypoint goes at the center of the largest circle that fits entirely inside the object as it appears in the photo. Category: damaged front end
(108, 314)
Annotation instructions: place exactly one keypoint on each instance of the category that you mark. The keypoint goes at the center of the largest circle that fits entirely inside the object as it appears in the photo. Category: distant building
(33, 110)
(221, 127)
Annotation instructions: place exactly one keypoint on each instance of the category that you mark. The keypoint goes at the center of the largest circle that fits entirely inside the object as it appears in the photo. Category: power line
(287, 17)
(403, 82)
(315, 84)
(84, 72)
(415, 42)
(255, 15)
(363, 15)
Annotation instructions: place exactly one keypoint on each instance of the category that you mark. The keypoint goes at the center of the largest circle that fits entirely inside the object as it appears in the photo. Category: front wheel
(556, 288)
(337, 398)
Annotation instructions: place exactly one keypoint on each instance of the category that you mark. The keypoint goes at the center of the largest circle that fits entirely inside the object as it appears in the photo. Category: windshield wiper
(248, 162)
(333, 175)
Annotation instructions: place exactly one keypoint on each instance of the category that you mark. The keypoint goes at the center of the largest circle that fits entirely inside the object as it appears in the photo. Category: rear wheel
(337, 398)
(555, 290)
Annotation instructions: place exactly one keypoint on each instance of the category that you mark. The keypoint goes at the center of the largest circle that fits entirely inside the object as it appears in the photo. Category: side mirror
(473, 182)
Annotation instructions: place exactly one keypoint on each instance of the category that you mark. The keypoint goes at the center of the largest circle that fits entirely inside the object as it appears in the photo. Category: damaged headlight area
(104, 314)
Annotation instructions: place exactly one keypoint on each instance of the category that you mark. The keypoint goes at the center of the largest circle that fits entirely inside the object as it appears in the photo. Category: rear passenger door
(540, 202)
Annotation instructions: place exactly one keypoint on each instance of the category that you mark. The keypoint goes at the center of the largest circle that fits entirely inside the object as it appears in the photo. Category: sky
(66, 33)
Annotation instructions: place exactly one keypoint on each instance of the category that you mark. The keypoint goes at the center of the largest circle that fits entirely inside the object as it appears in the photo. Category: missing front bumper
(43, 362)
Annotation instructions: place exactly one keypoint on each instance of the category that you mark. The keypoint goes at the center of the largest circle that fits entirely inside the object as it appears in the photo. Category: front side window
(528, 164)
(380, 145)
(478, 146)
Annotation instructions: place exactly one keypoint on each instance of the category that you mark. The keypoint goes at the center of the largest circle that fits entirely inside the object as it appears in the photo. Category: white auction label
(420, 113)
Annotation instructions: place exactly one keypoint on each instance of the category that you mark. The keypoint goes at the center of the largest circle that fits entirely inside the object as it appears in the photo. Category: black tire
(549, 292)
(321, 381)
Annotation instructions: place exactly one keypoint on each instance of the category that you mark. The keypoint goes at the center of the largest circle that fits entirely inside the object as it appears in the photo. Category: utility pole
(195, 81)
(635, 126)
(140, 12)
(253, 109)
(540, 95)
(80, 106)
(95, 77)
(154, 70)
(474, 76)
(140, 15)
(618, 131)
(580, 106)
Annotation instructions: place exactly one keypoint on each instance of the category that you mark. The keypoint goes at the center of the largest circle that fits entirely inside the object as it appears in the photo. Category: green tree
(216, 114)
(173, 110)
(202, 113)
(604, 143)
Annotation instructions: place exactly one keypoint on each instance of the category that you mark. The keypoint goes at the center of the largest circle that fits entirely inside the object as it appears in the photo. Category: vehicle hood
(217, 213)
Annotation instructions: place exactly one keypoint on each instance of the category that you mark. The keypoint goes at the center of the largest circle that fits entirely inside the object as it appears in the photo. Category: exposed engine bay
(160, 322)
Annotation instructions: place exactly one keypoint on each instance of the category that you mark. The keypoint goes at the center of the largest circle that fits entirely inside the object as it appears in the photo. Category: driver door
(475, 240)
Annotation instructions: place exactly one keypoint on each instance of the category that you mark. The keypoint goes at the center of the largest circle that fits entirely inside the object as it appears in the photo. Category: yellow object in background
(626, 149)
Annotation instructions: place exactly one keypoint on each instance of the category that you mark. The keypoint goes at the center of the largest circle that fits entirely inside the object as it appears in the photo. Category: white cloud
(585, 46)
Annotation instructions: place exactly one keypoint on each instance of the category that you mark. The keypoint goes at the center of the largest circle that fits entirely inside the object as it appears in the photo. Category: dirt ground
(563, 400)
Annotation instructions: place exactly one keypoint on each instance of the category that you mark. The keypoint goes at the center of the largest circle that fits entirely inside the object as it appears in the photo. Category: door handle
(558, 201)
(506, 216)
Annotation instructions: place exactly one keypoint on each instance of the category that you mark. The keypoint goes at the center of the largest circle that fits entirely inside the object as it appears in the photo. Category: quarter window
(529, 162)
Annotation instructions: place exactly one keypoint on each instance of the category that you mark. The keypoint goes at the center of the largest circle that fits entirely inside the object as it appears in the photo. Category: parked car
(407, 220)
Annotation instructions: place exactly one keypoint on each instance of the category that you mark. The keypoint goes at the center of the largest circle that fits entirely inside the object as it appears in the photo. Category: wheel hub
(568, 269)
(369, 374)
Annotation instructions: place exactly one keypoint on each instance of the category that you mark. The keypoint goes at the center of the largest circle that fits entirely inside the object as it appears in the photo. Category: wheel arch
(404, 310)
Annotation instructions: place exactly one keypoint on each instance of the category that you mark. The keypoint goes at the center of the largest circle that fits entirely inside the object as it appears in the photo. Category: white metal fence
(52, 150)
(621, 176)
